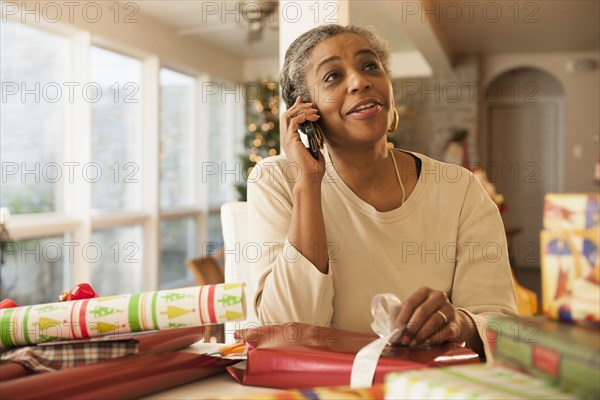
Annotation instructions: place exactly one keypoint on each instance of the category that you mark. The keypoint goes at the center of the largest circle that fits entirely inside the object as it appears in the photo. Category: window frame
(78, 220)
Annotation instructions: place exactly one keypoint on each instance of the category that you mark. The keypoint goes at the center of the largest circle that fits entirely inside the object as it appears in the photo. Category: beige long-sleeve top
(448, 235)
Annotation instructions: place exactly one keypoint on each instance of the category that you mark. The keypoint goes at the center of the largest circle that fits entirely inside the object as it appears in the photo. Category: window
(117, 260)
(116, 248)
(180, 209)
(223, 170)
(33, 64)
(177, 245)
(214, 235)
(114, 94)
(140, 207)
(34, 269)
(176, 129)
(32, 69)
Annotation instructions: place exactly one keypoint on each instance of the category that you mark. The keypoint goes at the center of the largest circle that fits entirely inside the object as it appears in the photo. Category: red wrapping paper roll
(127, 378)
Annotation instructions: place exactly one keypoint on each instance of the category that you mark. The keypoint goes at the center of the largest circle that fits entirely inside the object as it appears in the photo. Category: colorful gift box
(319, 393)
(564, 354)
(571, 275)
(469, 382)
(573, 211)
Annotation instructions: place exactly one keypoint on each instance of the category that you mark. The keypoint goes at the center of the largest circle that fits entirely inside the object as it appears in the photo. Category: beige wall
(432, 108)
(581, 104)
(144, 38)
(261, 68)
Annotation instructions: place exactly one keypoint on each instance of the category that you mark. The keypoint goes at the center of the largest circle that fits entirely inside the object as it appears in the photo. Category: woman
(364, 219)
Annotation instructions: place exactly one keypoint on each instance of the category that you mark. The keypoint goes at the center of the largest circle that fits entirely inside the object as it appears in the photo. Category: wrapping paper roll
(124, 378)
(176, 308)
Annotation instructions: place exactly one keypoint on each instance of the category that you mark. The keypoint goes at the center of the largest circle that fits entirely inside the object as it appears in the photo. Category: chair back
(234, 221)
(207, 270)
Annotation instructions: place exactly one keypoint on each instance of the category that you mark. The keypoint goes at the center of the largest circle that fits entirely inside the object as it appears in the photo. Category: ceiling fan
(252, 15)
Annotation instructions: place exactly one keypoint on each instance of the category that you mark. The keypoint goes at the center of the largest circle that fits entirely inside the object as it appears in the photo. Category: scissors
(230, 349)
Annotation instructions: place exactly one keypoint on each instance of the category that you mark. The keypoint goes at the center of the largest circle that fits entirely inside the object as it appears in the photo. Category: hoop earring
(394, 125)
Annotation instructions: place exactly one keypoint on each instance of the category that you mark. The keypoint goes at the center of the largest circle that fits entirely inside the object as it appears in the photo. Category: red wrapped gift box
(301, 356)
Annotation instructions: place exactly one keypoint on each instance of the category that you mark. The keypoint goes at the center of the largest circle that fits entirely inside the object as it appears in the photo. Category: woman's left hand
(429, 317)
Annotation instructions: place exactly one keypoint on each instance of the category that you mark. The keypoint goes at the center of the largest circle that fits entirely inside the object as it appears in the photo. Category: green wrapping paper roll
(81, 319)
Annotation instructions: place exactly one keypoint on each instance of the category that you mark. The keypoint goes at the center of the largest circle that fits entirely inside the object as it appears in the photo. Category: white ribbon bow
(365, 362)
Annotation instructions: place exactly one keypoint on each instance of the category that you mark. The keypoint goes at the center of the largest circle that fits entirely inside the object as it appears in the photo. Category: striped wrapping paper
(122, 314)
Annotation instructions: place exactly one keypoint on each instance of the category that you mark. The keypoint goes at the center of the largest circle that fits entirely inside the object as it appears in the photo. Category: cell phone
(312, 133)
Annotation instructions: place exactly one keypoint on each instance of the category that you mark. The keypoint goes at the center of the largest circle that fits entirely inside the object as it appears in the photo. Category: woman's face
(352, 92)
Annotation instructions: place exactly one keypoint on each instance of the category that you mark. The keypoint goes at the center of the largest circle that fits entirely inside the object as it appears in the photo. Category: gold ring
(443, 316)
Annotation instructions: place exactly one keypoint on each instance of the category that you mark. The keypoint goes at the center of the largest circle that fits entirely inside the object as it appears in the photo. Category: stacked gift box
(570, 261)
(563, 347)
(564, 355)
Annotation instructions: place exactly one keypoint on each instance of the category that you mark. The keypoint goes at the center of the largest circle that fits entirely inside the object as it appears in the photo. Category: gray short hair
(292, 78)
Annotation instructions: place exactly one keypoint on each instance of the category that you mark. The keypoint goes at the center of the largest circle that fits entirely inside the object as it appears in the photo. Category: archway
(524, 109)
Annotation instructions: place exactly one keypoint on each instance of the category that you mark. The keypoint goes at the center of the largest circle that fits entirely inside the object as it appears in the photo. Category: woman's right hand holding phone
(307, 227)
(311, 171)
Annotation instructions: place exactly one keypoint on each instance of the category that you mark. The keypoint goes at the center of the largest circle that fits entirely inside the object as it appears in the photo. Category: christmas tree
(175, 296)
(262, 121)
(229, 300)
(101, 311)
